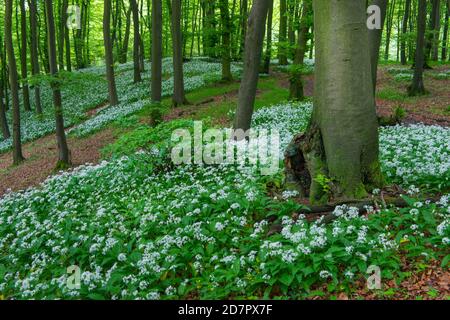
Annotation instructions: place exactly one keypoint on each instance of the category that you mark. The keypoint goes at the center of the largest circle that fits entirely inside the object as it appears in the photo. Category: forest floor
(215, 102)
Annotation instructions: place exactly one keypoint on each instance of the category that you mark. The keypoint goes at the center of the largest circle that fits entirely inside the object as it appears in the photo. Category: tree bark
(13, 83)
(63, 149)
(253, 52)
(226, 41)
(268, 53)
(177, 43)
(445, 34)
(296, 84)
(3, 122)
(109, 59)
(417, 87)
(156, 50)
(136, 41)
(404, 32)
(23, 56)
(282, 56)
(34, 53)
(341, 142)
(375, 41)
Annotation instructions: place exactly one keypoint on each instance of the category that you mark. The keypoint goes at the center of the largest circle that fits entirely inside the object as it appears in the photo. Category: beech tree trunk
(417, 87)
(156, 50)
(177, 43)
(34, 53)
(282, 56)
(136, 41)
(445, 34)
(296, 84)
(253, 52)
(109, 59)
(404, 31)
(3, 122)
(341, 142)
(226, 41)
(63, 149)
(23, 55)
(268, 53)
(13, 83)
(375, 41)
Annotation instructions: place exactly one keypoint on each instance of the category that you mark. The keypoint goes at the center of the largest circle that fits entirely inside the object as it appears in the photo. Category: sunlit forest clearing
(347, 197)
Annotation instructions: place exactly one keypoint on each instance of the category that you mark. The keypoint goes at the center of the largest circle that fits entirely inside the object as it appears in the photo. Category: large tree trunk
(136, 41)
(253, 52)
(375, 40)
(34, 52)
(23, 56)
(296, 84)
(156, 50)
(282, 56)
(177, 43)
(109, 59)
(226, 41)
(417, 87)
(341, 142)
(13, 83)
(404, 31)
(63, 149)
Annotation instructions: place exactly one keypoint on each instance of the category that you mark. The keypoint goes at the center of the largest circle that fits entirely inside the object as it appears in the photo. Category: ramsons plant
(139, 228)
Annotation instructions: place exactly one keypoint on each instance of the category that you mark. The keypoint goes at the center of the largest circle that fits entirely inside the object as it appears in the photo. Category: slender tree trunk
(375, 41)
(23, 56)
(34, 53)
(253, 51)
(445, 34)
(390, 18)
(62, 32)
(417, 87)
(109, 59)
(63, 149)
(268, 53)
(226, 41)
(13, 83)
(156, 50)
(342, 140)
(282, 56)
(3, 122)
(296, 84)
(437, 28)
(177, 43)
(136, 42)
(434, 22)
(126, 38)
(404, 31)
(243, 27)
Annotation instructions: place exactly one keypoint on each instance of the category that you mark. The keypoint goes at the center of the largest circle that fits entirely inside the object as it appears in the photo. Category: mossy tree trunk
(340, 146)
(282, 56)
(268, 53)
(23, 56)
